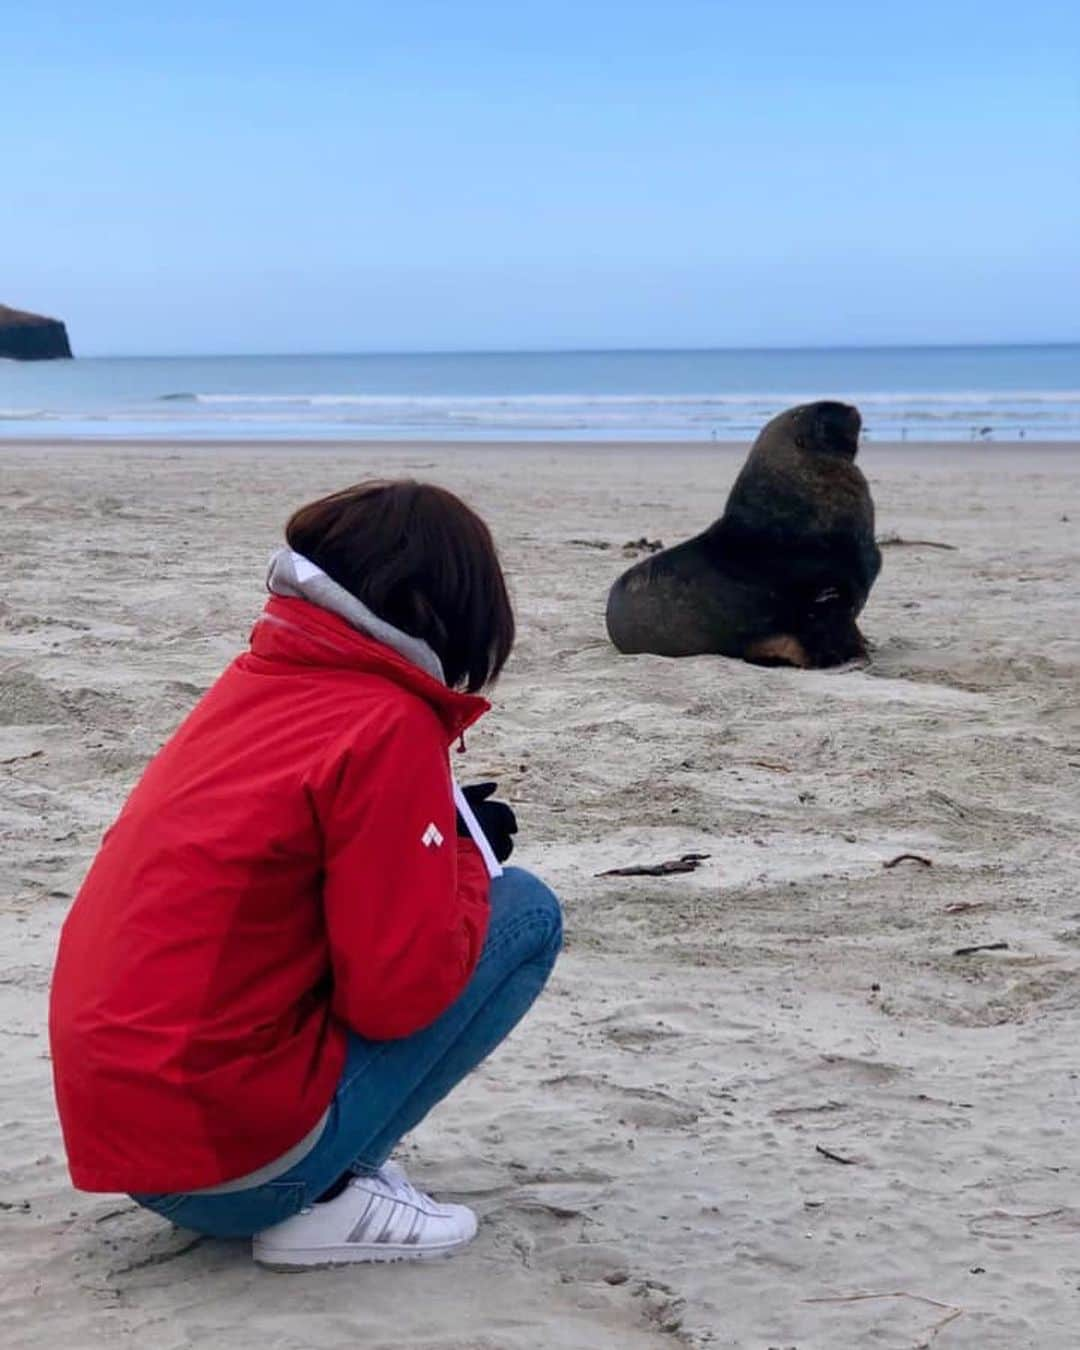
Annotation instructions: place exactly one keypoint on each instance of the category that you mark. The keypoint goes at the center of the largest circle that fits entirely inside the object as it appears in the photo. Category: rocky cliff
(30, 337)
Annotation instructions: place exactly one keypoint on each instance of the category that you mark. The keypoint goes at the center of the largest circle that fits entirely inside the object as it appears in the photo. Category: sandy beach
(763, 1105)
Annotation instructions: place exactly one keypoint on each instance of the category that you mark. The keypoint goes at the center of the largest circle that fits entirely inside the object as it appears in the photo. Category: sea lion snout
(829, 426)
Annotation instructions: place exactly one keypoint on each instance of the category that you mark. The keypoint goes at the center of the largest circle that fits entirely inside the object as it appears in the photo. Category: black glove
(496, 819)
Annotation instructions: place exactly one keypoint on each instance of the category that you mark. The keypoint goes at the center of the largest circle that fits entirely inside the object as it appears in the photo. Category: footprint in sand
(632, 1105)
(27, 701)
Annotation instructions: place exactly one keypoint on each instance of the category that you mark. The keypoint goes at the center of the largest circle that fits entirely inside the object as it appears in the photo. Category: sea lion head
(821, 428)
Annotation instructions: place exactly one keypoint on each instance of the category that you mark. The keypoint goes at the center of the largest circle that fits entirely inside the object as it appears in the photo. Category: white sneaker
(375, 1218)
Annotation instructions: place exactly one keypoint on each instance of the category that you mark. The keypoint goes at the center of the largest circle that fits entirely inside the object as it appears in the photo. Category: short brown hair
(421, 559)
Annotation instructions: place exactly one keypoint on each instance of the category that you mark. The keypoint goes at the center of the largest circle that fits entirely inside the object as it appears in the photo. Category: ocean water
(916, 393)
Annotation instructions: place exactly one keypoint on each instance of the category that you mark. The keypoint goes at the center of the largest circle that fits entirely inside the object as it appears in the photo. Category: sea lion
(780, 578)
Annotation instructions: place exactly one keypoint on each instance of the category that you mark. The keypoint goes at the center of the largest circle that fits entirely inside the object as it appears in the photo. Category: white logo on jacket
(432, 835)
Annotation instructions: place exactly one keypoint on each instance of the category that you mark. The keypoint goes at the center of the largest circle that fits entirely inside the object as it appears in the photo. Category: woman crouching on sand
(297, 938)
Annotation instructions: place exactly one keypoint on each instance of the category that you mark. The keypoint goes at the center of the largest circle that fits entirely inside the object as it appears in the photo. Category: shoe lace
(401, 1188)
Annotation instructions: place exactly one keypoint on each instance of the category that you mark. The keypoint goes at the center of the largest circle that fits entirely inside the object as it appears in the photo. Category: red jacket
(273, 881)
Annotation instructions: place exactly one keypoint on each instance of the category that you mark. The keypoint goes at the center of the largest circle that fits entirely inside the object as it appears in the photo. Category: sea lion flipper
(826, 628)
(781, 649)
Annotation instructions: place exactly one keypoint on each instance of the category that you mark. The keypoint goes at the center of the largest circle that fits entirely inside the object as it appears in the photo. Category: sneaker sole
(323, 1258)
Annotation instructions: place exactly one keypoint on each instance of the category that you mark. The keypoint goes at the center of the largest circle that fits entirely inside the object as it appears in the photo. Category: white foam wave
(957, 415)
(956, 398)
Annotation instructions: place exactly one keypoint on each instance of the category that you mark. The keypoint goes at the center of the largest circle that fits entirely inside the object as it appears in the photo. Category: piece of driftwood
(689, 862)
(982, 947)
(834, 1157)
(908, 857)
(643, 545)
(895, 541)
(116, 1213)
(19, 759)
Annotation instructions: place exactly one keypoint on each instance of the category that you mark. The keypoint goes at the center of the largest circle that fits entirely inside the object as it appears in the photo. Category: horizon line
(581, 351)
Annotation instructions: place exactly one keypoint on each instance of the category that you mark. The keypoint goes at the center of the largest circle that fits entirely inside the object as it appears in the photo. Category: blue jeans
(388, 1087)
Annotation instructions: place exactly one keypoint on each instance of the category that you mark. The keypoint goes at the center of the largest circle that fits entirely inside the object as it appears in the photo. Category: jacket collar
(291, 574)
(306, 622)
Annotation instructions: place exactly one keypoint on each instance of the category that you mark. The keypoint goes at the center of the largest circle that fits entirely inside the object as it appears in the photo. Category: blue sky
(446, 174)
